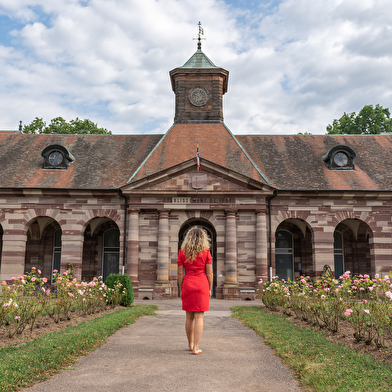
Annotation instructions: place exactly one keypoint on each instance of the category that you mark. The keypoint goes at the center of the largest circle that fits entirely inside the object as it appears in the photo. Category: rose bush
(27, 298)
(365, 302)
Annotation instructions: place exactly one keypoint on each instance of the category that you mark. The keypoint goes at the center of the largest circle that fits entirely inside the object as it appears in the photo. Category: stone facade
(30, 216)
(271, 205)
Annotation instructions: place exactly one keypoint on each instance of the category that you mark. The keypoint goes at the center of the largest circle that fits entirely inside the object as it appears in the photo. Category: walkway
(151, 355)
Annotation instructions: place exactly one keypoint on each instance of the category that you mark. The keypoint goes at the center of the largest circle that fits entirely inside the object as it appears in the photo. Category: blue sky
(294, 65)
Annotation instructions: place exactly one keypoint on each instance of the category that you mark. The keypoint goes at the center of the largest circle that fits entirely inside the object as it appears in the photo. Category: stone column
(231, 250)
(133, 247)
(13, 255)
(163, 249)
(72, 252)
(261, 246)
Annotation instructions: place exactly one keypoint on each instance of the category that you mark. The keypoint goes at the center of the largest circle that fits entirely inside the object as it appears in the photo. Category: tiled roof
(216, 144)
(294, 162)
(101, 161)
(291, 162)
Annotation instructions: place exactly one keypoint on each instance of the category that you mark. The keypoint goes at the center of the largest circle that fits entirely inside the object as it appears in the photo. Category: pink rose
(348, 312)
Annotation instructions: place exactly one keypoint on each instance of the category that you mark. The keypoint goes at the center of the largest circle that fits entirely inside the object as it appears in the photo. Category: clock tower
(199, 86)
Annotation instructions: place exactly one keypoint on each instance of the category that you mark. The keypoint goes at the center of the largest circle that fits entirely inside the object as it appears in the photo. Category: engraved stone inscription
(199, 182)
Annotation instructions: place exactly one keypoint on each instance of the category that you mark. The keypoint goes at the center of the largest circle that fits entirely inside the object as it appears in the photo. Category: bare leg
(199, 324)
(190, 328)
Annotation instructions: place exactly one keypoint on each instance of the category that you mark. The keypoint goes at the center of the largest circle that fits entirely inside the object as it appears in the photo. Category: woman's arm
(210, 276)
(180, 275)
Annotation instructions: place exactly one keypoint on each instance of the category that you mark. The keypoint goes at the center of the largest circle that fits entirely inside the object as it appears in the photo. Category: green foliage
(38, 359)
(123, 285)
(59, 126)
(274, 295)
(369, 121)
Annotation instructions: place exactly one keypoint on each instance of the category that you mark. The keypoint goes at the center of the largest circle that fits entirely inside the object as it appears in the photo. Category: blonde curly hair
(195, 241)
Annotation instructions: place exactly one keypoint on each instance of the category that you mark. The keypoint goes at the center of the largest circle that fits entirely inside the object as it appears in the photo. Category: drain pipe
(269, 235)
(125, 230)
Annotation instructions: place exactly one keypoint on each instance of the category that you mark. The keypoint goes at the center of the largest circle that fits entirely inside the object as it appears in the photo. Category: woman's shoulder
(207, 256)
(181, 256)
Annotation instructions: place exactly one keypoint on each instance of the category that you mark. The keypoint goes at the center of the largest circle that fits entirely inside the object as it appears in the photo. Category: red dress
(195, 292)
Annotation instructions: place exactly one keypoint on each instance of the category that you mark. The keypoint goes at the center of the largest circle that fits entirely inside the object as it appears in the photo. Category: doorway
(209, 228)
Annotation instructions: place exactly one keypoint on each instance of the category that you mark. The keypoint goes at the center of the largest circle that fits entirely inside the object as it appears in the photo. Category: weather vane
(201, 32)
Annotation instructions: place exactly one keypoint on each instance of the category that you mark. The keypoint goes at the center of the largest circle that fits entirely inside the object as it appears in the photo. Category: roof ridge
(149, 155)
(247, 155)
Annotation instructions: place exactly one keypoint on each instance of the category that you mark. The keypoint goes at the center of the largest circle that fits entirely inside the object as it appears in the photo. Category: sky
(294, 65)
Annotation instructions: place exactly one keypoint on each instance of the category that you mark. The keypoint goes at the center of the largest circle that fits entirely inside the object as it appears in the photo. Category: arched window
(338, 253)
(56, 259)
(284, 260)
(111, 253)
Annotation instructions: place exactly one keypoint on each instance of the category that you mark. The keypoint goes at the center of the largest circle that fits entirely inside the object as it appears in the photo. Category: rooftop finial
(201, 32)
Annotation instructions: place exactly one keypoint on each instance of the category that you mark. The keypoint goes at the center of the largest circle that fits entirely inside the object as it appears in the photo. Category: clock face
(55, 158)
(198, 96)
(340, 159)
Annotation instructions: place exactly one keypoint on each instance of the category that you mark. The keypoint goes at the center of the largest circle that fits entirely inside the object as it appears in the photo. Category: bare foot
(197, 351)
(190, 348)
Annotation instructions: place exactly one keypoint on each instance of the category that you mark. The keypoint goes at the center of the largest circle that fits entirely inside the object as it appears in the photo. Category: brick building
(286, 205)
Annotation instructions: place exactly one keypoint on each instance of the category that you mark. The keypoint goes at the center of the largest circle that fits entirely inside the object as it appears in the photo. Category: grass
(319, 364)
(38, 359)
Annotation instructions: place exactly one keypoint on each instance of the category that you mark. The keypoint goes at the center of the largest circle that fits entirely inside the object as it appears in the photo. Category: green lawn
(38, 359)
(319, 364)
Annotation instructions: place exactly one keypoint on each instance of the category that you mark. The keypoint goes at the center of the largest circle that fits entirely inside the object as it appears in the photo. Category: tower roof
(199, 60)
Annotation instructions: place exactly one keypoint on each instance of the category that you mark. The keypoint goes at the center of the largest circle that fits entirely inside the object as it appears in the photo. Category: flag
(197, 157)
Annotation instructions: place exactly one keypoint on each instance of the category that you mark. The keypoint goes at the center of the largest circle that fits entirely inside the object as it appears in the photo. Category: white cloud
(294, 65)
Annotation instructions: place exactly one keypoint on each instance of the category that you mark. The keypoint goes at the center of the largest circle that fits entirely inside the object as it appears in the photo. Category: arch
(45, 216)
(40, 245)
(301, 250)
(301, 217)
(356, 247)
(91, 215)
(210, 229)
(96, 260)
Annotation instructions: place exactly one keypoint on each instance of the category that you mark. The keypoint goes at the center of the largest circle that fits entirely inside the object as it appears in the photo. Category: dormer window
(340, 158)
(56, 157)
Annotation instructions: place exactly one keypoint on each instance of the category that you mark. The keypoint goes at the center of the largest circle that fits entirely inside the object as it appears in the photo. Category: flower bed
(364, 302)
(29, 300)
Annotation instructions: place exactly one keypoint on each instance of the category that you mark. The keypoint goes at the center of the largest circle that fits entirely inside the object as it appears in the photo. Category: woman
(195, 281)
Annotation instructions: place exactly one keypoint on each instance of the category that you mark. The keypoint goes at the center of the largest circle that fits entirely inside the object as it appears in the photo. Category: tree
(59, 126)
(369, 121)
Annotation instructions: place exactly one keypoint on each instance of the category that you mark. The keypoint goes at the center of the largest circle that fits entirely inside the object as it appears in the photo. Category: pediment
(186, 178)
